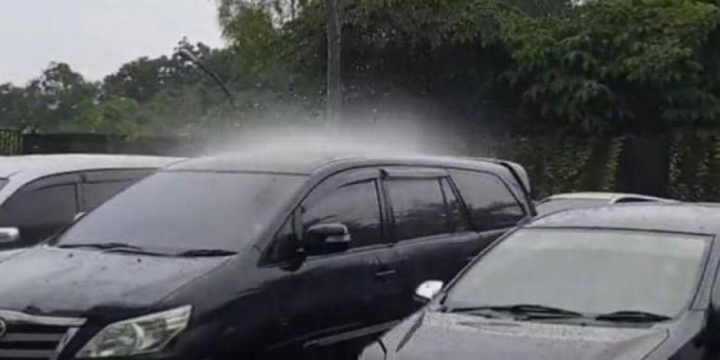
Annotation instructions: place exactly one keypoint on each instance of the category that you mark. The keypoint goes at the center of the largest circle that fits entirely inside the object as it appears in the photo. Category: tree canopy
(599, 66)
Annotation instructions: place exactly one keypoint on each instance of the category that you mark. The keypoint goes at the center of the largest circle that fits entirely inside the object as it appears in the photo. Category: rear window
(418, 208)
(489, 201)
(181, 211)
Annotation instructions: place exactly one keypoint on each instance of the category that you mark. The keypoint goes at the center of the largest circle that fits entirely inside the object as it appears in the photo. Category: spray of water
(396, 129)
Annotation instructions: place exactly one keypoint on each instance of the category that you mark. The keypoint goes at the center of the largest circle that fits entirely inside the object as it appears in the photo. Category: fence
(13, 142)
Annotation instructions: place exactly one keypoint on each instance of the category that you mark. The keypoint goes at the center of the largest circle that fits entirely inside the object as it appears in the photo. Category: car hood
(46, 280)
(451, 336)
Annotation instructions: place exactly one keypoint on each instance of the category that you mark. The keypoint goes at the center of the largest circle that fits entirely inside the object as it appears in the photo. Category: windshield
(180, 211)
(549, 206)
(586, 271)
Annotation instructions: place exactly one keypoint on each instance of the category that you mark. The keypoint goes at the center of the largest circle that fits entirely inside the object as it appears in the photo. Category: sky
(97, 36)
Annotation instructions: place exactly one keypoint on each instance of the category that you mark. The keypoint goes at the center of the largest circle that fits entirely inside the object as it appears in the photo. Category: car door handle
(385, 273)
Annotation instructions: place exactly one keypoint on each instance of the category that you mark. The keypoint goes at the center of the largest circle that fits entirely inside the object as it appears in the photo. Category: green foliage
(604, 66)
(616, 63)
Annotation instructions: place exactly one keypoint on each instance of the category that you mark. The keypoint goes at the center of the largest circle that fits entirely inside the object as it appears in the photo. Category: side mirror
(327, 238)
(9, 235)
(427, 290)
(333, 233)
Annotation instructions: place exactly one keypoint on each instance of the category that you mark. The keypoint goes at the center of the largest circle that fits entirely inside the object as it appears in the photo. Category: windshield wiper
(526, 310)
(206, 253)
(101, 246)
(632, 316)
(115, 247)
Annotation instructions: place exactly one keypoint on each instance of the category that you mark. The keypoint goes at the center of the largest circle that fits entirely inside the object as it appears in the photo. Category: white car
(41, 194)
(578, 200)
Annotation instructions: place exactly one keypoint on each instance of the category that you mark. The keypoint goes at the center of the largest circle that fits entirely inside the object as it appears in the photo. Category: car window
(51, 201)
(356, 205)
(178, 211)
(418, 208)
(99, 186)
(488, 199)
(458, 217)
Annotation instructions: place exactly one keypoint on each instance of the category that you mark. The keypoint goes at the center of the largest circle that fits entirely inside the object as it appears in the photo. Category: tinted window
(418, 208)
(489, 201)
(355, 204)
(99, 186)
(285, 243)
(458, 217)
(181, 211)
(47, 202)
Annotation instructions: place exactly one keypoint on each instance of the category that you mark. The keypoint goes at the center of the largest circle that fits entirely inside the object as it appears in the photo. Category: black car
(254, 255)
(620, 282)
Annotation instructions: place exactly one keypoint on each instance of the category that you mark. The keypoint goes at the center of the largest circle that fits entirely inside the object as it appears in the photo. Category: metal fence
(14, 142)
(11, 142)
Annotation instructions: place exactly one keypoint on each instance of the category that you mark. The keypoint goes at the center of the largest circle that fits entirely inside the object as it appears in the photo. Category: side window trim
(501, 180)
(55, 180)
(465, 213)
(110, 176)
(412, 173)
(520, 204)
(353, 175)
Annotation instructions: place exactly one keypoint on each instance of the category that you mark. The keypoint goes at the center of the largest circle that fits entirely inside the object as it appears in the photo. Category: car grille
(33, 337)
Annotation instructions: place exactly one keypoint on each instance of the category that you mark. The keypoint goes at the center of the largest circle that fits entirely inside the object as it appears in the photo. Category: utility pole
(334, 44)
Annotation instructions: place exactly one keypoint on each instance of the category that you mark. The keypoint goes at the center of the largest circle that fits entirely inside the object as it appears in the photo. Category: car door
(429, 226)
(100, 185)
(341, 295)
(41, 208)
(492, 207)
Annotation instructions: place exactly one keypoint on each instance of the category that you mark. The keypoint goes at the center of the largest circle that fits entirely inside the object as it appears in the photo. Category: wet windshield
(180, 211)
(586, 271)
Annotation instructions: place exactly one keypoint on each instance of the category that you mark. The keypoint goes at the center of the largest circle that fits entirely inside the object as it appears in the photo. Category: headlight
(137, 336)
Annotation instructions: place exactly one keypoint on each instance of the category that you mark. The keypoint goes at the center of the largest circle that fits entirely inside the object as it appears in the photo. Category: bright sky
(96, 36)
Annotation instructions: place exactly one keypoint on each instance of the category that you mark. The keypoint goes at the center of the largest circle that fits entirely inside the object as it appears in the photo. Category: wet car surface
(645, 289)
(255, 256)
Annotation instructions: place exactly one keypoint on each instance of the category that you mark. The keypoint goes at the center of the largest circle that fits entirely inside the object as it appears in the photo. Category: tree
(58, 96)
(617, 64)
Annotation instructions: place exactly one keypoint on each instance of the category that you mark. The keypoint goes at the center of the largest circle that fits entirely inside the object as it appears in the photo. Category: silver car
(560, 202)
(41, 194)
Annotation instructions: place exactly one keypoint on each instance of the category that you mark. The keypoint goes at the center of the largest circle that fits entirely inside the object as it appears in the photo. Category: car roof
(307, 163)
(36, 166)
(609, 196)
(667, 217)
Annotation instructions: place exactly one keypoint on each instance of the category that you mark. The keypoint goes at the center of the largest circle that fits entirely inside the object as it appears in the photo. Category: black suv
(253, 255)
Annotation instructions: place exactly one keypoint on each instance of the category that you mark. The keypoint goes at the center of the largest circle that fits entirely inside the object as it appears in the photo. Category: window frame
(405, 172)
(478, 227)
(55, 180)
(88, 177)
(323, 187)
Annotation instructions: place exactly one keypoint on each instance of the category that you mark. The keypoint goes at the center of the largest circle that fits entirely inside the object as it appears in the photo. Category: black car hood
(450, 336)
(46, 280)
